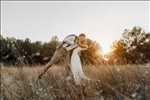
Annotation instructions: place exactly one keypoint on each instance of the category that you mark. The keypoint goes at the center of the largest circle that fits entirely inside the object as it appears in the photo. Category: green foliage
(135, 47)
(18, 52)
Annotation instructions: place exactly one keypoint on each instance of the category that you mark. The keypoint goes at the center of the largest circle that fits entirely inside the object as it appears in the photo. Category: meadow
(108, 82)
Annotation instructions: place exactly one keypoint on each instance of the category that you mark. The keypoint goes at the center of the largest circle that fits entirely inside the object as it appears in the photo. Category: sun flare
(105, 50)
(105, 47)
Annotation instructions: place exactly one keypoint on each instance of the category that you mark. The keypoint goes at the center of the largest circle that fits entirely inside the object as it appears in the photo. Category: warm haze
(75, 69)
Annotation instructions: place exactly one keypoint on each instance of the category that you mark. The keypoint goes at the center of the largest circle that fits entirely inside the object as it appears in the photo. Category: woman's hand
(83, 48)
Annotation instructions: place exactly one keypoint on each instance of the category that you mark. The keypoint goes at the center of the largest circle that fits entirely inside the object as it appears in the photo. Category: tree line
(24, 52)
(132, 48)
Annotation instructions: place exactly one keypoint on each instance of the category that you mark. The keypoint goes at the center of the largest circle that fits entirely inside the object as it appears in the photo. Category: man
(82, 41)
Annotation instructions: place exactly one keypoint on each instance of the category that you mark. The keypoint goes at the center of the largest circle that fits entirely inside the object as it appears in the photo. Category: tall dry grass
(116, 82)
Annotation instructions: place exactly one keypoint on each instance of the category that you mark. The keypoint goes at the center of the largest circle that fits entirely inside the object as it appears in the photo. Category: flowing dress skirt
(76, 66)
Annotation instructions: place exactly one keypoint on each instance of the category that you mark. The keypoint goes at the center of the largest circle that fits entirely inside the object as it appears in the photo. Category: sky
(102, 21)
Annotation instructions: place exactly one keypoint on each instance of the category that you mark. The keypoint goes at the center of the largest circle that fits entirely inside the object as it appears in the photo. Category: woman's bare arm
(83, 45)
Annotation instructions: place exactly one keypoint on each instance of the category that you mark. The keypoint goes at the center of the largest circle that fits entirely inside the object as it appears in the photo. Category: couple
(76, 65)
(75, 45)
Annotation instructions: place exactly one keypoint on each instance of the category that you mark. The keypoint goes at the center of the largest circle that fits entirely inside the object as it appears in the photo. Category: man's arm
(71, 47)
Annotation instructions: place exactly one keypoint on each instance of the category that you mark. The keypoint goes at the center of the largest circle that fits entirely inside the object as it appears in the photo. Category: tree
(118, 55)
(137, 45)
(133, 47)
(18, 52)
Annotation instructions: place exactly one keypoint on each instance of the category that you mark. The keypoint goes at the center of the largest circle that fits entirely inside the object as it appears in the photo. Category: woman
(76, 65)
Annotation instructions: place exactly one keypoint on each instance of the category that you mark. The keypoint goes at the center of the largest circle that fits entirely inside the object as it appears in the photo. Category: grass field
(109, 82)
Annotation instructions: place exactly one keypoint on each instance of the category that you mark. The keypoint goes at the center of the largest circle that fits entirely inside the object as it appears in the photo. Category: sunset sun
(105, 45)
(106, 49)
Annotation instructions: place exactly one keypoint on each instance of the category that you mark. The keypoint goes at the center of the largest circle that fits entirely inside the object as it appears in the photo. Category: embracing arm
(83, 45)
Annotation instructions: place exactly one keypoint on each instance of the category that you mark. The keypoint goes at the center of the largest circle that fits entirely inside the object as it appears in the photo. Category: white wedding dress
(76, 66)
